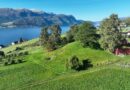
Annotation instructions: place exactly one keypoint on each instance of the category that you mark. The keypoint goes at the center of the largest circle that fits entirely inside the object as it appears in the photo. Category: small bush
(20, 61)
(2, 53)
(9, 52)
(20, 54)
(5, 63)
(8, 56)
(47, 58)
(74, 63)
(11, 55)
(9, 59)
(37, 43)
(26, 53)
(18, 48)
(64, 41)
(13, 62)
(14, 55)
(1, 59)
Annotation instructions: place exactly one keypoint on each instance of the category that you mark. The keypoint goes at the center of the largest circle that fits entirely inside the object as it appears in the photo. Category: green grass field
(109, 72)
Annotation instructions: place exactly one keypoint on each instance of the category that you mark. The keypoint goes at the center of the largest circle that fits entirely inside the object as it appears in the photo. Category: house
(119, 51)
(122, 50)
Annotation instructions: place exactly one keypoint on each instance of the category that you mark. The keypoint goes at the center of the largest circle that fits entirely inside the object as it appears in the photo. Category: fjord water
(8, 35)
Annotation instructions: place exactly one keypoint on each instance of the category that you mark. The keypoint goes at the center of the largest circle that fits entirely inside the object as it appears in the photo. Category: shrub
(1, 59)
(47, 58)
(14, 55)
(18, 48)
(9, 52)
(20, 61)
(5, 63)
(11, 55)
(8, 56)
(26, 53)
(51, 46)
(9, 59)
(64, 41)
(2, 53)
(74, 63)
(20, 54)
(12, 62)
(37, 43)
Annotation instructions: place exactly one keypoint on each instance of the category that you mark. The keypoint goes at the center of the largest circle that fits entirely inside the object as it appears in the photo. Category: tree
(44, 36)
(110, 33)
(71, 33)
(2, 54)
(87, 35)
(127, 21)
(56, 34)
(51, 37)
(64, 41)
(21, 40)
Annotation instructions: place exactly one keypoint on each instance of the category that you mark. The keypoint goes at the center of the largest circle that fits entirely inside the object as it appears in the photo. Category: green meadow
(109, 72)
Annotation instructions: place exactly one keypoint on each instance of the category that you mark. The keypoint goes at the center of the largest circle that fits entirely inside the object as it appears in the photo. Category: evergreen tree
(110, 33)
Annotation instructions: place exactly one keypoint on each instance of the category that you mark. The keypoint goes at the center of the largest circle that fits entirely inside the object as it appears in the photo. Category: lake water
(9, 35)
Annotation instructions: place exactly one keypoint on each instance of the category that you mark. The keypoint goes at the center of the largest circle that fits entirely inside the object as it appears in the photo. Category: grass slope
(107, 79)
(37, 73)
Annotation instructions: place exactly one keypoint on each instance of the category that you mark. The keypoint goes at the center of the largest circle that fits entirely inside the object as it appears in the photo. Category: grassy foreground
(109, 72)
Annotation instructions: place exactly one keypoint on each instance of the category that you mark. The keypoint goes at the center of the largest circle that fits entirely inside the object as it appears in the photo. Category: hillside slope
(38, 73)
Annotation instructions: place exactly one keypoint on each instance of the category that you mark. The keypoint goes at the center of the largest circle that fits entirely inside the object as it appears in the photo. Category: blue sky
(94, 10)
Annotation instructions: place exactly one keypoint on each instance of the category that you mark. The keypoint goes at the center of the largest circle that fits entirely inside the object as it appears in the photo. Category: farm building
(122, 50)
(119, 51)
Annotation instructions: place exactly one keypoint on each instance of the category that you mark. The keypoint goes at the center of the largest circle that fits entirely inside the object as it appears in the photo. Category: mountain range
(29, 17)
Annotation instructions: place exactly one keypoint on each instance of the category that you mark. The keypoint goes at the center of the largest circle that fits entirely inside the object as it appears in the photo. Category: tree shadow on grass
(85, 65)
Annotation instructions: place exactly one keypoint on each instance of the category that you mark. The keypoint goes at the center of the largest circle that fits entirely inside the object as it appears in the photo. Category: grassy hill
(109, 72)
